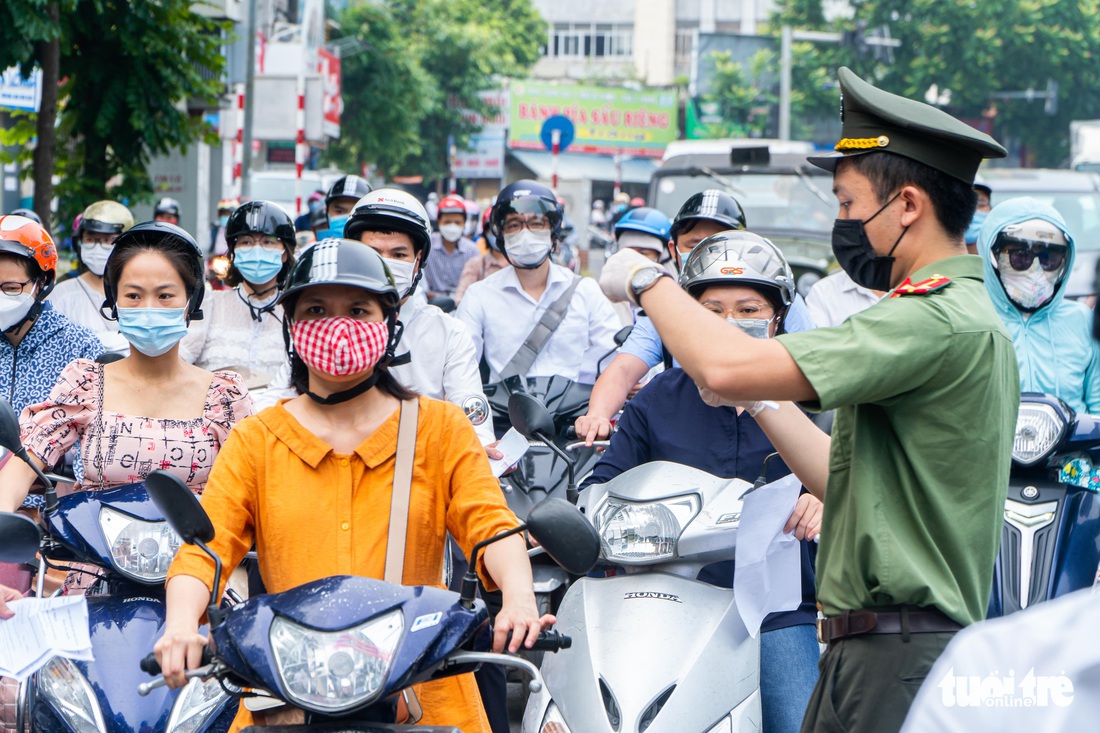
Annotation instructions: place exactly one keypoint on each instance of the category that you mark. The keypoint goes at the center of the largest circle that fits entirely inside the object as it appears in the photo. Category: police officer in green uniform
(926, 389)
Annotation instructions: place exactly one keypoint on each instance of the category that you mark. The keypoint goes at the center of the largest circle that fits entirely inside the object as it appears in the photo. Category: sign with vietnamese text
(18, 92)
(607, 120)
(483, 156)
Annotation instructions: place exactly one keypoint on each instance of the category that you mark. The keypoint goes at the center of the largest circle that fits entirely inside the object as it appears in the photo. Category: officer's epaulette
(931, 285)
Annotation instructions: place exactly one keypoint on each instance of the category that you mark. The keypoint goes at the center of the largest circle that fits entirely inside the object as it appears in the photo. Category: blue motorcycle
(344, 651)
(122, 534)
(1050, 542)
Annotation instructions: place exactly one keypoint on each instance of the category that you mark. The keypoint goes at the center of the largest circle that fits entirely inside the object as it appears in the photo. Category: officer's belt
(906, 620)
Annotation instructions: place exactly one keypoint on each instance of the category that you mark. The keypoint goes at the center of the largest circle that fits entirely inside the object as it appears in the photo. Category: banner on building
(483, 156)
(608, 120)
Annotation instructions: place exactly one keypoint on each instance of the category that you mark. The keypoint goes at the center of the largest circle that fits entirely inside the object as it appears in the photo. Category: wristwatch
(644, 279)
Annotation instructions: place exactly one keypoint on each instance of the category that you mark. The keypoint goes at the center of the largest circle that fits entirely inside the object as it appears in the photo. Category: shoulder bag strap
(402, 488)
(521, 362)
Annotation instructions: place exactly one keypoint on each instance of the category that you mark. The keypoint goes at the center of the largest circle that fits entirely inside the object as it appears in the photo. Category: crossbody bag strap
(402, 489)
(521, 362)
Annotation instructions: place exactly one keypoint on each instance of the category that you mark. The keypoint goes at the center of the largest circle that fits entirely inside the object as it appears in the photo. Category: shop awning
(586, 167)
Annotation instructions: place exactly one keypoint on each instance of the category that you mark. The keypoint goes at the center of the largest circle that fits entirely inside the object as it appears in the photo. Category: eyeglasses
(14, 287)
(746, 311)
(1020, 256)
(534, 222)
(245, 241)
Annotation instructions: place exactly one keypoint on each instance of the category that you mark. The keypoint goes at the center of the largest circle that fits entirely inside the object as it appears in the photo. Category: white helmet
(395, 210)
(738, 258)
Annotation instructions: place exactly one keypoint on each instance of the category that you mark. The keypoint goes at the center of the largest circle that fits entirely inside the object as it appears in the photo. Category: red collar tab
(931, 285)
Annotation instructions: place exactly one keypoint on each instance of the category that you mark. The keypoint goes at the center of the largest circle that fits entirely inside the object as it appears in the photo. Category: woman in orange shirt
(310, 480)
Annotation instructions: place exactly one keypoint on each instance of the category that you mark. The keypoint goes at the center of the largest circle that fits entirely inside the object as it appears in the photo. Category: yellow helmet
(106, 217)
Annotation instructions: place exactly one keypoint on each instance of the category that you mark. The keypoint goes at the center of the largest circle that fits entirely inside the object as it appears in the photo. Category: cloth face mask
(1030, 289)
(856, 256)
(340, 346)
(94, 257)
(14, 308)
(526, 248)
(153, 331)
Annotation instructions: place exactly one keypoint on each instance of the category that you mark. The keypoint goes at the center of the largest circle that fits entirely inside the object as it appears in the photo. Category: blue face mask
(971, 235)
(222, 221)
(335, 227)
(258, 265)
(153, 331)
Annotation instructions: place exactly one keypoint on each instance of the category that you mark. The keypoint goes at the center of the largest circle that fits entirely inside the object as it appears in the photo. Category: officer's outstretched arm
(801, 444)
(720, 356)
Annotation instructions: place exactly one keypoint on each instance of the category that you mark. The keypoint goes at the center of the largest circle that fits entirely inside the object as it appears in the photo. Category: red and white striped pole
(238, 144)
(300, 145)
(555, 148)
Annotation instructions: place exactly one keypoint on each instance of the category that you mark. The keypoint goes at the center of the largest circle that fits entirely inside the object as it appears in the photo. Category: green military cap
(874, 120)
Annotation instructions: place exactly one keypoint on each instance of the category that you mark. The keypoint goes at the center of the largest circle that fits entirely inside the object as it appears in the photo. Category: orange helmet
(27, 238)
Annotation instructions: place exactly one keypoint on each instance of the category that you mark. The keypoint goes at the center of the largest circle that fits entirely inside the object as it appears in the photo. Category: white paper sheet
(513, 446)
(768, 565)
(43, 628)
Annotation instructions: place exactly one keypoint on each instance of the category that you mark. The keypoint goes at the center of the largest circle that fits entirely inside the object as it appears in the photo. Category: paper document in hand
(43, 628)
(513, 446)
(768, 565)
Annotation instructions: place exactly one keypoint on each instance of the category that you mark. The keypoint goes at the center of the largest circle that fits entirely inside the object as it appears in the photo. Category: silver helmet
(738, 258)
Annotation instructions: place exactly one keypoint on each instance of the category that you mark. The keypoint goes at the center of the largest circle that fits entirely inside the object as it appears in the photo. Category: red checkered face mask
(340, 346)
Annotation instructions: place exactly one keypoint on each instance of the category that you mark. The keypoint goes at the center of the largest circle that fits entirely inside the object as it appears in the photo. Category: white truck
(1084, 145)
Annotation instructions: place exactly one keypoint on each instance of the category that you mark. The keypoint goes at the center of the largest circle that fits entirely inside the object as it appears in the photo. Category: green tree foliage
(416, 66)
(127, 71)
(976, 50)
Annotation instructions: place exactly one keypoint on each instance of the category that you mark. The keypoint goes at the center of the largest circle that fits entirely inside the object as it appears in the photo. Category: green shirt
(926, 389)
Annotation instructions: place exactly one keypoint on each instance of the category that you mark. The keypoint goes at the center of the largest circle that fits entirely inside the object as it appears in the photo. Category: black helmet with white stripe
(712, 205)
(347, 187)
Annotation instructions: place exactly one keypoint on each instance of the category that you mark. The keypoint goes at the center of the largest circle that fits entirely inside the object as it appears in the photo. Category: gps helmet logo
(733, 271)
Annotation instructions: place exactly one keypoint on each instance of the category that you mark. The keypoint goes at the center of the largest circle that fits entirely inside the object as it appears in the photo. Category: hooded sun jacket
(1054, 345)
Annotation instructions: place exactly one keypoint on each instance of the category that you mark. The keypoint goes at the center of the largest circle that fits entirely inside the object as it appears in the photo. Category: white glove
(619, 269)
(753, 408)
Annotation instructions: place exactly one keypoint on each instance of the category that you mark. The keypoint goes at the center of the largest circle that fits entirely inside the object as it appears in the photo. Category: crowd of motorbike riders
(135, 362)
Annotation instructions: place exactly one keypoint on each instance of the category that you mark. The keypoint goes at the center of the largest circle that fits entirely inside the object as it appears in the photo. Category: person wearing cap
(536, 318)
(1027, 252)
(980, 213)
(79, 298)
(340, 439)
(744, 279)
(913, 511)
(451, 249)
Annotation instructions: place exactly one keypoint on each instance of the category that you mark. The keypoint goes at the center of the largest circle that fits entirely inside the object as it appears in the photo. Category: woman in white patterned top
(243, 326)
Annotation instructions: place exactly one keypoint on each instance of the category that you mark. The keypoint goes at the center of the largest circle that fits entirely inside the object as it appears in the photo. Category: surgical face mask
(258, 265)
(1030, 289)
(758, 328)
(95, 257)
(971, 236)
(222, 221)
(153, 331)
(402, 271)
(526, 248)
(451, 232)
(335, 227)
(14, 308)
(856, 256)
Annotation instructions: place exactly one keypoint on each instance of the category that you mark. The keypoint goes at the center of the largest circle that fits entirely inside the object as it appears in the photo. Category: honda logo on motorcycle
(652, 594)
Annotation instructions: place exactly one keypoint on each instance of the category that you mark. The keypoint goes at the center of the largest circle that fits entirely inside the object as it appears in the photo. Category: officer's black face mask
(856, 256)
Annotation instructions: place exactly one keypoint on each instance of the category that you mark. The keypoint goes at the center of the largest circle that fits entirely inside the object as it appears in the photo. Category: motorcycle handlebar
(548, 641)
(150, 666)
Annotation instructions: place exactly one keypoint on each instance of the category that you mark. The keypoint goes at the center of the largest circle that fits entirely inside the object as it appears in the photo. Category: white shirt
(834, 298)
(1035, 670)
(228, 336)
(443, 365)
(501, 314)
(79, 302)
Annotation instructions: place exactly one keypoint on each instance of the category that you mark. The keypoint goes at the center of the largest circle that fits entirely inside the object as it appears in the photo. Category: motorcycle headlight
(139, 549)
(335, 671)
(1039, 427)
(65, 688)
(197, 703)
(553, 722)
(633, 532)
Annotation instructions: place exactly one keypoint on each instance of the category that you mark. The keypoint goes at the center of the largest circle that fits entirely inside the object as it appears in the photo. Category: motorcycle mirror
(9, 428)
(180, 507)
(22, 537)
(568, 538)
(529, 416)
(622, 335)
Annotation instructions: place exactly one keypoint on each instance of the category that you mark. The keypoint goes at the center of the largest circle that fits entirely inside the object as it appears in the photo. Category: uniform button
(345, 526)
(343, 461)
